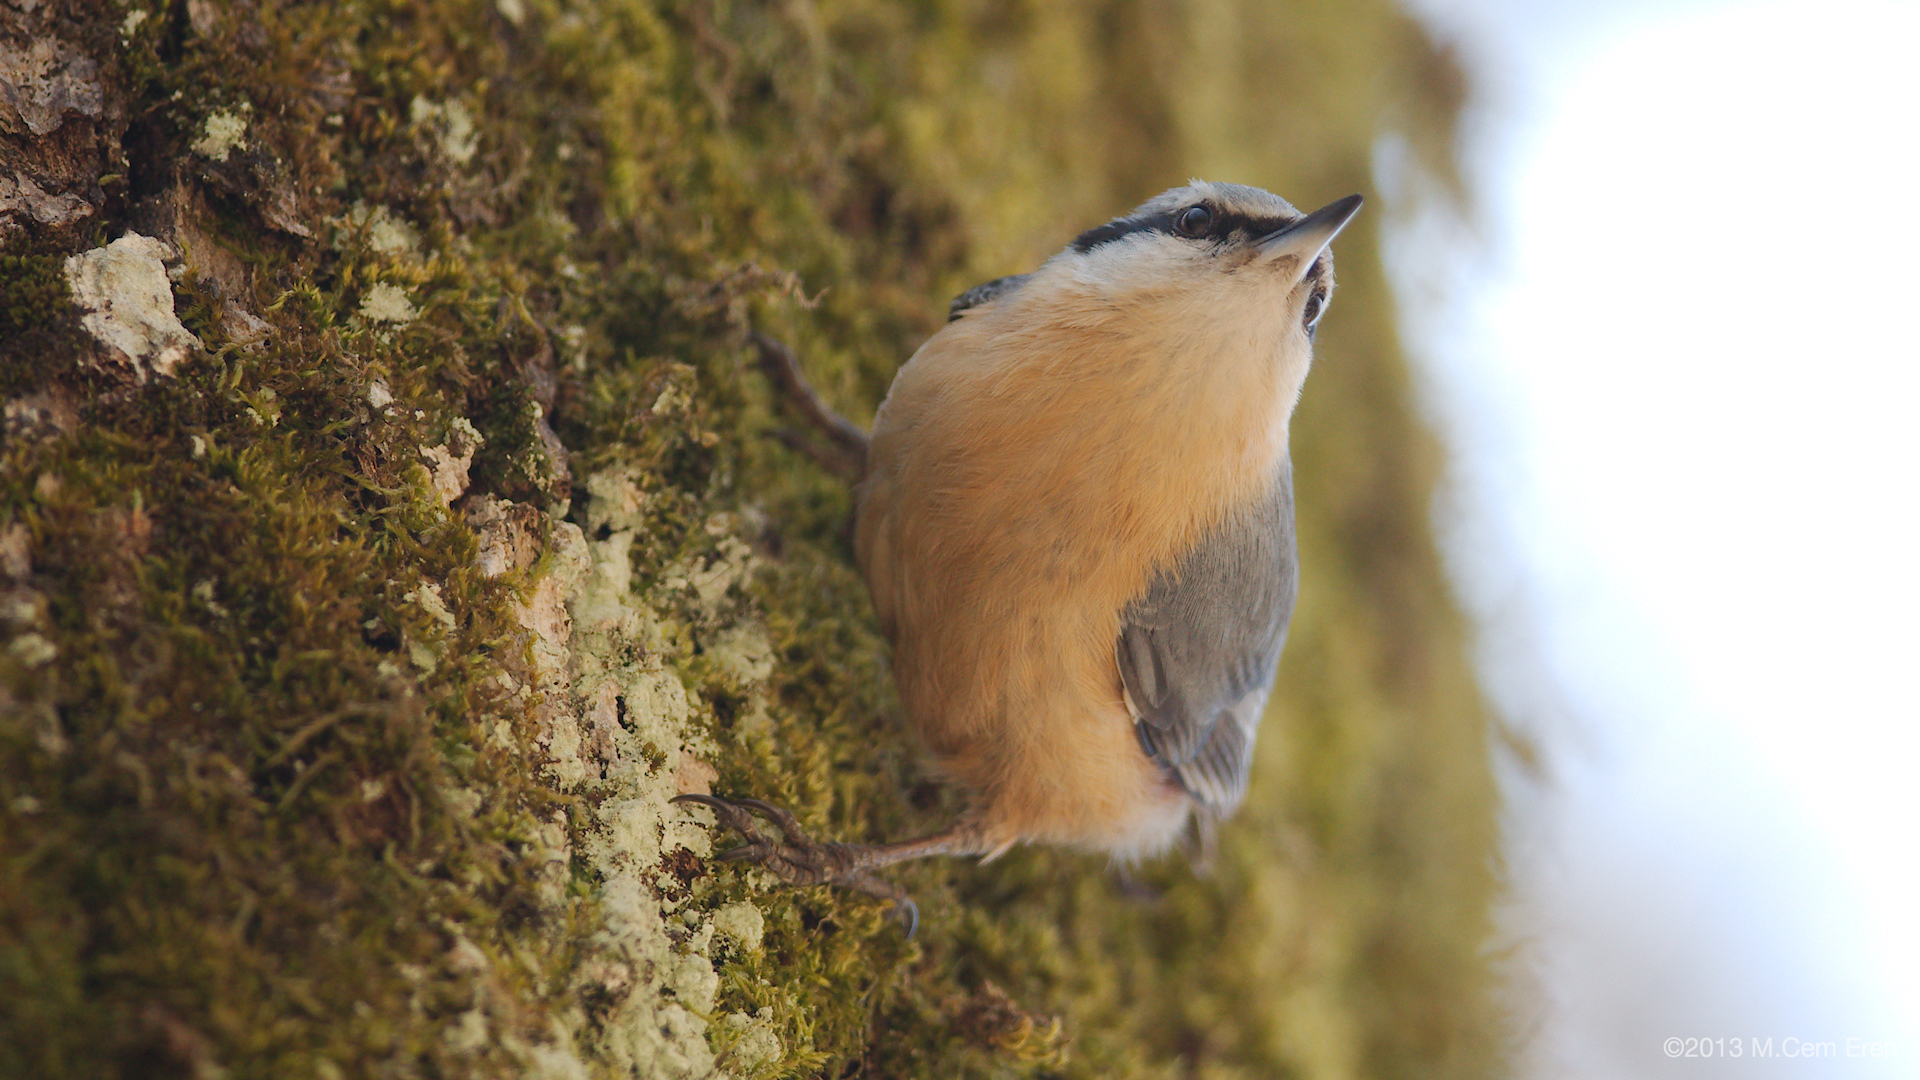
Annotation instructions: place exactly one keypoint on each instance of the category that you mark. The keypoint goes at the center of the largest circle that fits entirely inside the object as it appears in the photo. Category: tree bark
(392, 521)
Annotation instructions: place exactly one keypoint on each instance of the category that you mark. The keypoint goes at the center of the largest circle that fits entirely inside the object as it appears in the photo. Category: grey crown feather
(1197, 652)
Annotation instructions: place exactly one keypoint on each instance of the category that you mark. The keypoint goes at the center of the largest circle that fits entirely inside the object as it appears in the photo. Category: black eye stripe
(1120, 228)
(1226, 225)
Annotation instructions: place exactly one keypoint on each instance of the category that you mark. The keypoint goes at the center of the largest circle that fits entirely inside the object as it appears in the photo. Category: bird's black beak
(1305, 239)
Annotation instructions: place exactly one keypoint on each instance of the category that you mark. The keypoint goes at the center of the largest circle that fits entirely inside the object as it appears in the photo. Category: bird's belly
(1010, 681)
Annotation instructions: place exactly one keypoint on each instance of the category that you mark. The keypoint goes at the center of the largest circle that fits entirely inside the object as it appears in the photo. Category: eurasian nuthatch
(1076, 523)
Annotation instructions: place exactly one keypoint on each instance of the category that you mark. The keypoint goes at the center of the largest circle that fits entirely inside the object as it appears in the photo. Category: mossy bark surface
(391, 523)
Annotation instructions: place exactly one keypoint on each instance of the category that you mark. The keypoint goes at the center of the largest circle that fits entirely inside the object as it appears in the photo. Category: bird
(1075, 521)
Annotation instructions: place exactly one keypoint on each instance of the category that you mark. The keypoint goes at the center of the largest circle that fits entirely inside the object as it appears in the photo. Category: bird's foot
(797, 858)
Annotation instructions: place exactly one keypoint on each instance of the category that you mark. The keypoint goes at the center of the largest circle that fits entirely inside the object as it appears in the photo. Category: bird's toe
(782, 819)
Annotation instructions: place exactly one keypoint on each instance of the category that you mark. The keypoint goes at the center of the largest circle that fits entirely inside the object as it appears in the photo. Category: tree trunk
(391, 524)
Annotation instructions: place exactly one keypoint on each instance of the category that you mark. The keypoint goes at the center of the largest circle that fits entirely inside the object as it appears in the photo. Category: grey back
(981, 294)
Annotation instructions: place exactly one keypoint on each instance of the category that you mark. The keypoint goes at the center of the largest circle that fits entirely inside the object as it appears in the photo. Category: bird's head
(1246, 250)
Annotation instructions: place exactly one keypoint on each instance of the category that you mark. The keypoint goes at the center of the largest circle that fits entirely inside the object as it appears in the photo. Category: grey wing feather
(1197, 652)
(980, 294)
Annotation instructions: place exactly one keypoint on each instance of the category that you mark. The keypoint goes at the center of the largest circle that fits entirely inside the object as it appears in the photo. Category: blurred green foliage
(238, 832)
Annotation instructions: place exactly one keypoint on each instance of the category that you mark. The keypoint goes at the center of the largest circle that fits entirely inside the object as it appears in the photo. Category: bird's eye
(1316, 304)
(1193, 221)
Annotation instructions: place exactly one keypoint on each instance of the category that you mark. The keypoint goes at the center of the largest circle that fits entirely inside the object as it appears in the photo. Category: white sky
(1688, 507)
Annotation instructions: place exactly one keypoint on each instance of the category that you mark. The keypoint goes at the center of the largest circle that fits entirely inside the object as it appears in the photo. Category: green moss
(37, 321)
(290, 786)
(33, 292)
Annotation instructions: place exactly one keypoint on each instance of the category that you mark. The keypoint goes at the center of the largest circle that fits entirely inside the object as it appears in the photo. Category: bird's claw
(782, 819)
(801, 860)
(908, 913)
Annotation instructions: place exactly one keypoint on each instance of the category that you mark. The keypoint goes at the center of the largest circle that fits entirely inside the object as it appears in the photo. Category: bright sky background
(1675, 359)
